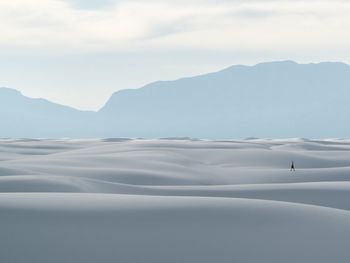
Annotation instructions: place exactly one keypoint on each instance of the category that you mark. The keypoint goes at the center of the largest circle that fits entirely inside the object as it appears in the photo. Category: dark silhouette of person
(292, 167)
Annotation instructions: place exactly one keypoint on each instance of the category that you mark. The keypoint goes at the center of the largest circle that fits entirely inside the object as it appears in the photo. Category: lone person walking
(292, 168)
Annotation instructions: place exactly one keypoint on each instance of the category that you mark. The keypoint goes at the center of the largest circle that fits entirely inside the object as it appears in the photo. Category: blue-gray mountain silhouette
(277, 99)
(26, 117)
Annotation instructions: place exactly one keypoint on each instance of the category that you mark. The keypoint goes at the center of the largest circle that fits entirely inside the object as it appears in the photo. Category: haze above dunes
(174, 200)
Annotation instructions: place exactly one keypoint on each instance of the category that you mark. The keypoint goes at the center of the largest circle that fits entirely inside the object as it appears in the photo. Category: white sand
(174, 201)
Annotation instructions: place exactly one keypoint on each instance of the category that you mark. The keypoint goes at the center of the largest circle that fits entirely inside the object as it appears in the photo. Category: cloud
(92, 4)
(130, 25)
(63, 48)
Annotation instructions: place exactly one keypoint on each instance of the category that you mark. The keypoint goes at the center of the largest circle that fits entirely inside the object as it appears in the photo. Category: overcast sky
(78, 52)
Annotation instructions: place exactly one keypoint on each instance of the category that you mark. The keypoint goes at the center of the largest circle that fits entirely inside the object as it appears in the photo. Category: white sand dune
(121, 200)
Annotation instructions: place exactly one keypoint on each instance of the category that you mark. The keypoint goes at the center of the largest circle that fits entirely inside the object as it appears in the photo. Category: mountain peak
(9, 91)
(278, 63)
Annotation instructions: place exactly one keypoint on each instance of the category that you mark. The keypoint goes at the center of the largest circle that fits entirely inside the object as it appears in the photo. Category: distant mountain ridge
(21, 116)
(274, 99)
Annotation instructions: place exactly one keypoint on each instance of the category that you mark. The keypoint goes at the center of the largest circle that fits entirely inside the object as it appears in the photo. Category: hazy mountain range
(276, 99)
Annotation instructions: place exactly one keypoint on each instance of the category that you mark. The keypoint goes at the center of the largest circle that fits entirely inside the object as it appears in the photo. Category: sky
(79, 52)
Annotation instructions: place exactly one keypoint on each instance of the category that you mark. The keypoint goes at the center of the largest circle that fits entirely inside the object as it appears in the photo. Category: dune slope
(119, 200)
